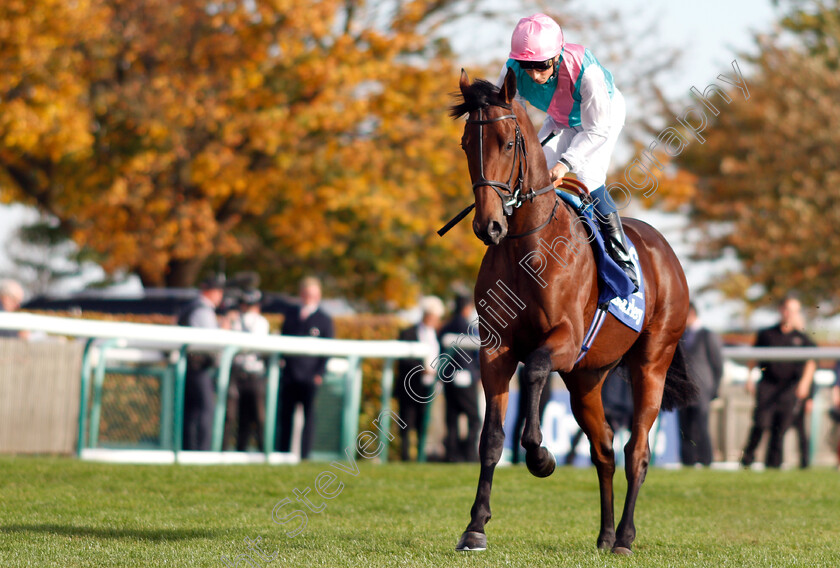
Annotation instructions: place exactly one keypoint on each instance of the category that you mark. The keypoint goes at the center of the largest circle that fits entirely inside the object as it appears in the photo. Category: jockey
(585, 114)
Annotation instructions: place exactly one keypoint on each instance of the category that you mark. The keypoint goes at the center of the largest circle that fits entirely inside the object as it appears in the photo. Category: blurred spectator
(249, 373)
(11, 297)
(302, 375)
(200, 392)
(416, 377)
(461, 392)
(705, 361)
(227, 312)
(835, 406)
(782, 384)
(228, 316)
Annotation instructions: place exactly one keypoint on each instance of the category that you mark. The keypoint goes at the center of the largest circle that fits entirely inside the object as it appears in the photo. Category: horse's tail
(680, 385)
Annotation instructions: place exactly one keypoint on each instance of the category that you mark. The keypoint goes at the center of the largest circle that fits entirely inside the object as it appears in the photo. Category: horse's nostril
(494, 229)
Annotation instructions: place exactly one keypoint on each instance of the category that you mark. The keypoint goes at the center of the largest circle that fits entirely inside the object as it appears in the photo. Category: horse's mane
(480, 94)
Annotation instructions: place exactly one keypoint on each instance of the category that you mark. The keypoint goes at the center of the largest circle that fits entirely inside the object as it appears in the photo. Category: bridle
(512, 196)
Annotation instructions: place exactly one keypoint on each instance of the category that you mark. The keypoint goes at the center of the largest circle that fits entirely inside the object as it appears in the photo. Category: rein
(511, 198)
(541, 226)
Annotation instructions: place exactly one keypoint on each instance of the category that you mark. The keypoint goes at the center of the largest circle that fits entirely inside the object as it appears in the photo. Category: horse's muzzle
(492, 233)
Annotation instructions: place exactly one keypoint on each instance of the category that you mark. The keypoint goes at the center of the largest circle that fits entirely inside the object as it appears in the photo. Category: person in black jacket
(782, 384)
(705, 359)
(302, 375)
(461, 393)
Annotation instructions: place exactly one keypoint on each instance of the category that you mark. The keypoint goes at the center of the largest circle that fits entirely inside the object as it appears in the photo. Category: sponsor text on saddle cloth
(615, 286)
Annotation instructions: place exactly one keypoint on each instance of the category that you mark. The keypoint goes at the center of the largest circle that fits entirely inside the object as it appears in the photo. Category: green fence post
(85, 393)
(98, 381)
(427, 418)
(271, 397)
(167, 406)
(353, 394)
(225, 363)
(180, 387)
(387, 392)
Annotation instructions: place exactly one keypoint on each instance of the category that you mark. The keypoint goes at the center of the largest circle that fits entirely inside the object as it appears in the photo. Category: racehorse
(515, 219)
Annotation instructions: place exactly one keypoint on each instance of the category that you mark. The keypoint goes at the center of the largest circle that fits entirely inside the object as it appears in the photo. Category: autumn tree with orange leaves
(766, 182)
(288, 136)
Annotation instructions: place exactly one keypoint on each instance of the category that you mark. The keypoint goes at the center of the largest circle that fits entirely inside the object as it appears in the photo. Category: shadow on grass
(107, 533)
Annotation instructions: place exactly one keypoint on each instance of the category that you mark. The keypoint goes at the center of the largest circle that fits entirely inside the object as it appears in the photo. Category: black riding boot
(616, 245)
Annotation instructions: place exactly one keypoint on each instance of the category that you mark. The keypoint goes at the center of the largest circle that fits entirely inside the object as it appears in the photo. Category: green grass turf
(63, 512)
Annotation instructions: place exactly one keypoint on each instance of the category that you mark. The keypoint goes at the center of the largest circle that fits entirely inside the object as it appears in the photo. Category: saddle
(616, 294)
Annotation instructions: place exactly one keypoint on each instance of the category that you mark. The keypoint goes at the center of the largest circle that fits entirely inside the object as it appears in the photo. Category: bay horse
(514, 219)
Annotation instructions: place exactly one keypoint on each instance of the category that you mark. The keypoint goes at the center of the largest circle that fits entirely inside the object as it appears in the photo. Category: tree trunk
(183, 273)
(179, 274)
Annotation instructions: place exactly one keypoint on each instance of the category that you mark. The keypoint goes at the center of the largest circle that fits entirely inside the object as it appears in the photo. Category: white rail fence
(109, 340)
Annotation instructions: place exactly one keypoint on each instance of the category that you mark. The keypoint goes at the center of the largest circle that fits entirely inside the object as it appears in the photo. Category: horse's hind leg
(495, 376)
(585, 392)
(648, 367)
(534, 378)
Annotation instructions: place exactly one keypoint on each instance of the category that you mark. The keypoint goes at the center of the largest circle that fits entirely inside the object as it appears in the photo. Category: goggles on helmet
(537, 65)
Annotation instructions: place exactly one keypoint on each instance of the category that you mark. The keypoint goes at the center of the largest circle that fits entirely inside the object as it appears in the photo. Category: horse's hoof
(606, 543)
(472, 540)
(624, 551)
(541, 463)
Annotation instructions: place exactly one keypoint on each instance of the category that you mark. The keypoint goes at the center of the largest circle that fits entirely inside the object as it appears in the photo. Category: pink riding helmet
(536, 38)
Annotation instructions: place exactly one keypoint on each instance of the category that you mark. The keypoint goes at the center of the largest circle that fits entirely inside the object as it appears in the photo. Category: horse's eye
(510, 145)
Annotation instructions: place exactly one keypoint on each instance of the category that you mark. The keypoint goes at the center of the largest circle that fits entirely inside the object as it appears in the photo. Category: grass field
(62, 512)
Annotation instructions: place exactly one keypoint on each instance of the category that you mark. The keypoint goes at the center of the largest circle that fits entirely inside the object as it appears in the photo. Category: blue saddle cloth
(614, 286)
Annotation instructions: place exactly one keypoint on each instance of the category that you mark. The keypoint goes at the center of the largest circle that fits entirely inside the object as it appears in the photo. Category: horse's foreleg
(589, 413)
(648, 385)
(495, 377)
(533, 380)
(555, 353)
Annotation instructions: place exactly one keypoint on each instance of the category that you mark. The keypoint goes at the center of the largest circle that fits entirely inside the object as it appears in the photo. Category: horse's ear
(464, 82)
(509, 87)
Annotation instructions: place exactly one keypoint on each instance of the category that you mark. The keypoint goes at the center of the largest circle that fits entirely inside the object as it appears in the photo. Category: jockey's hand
(558, 171)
